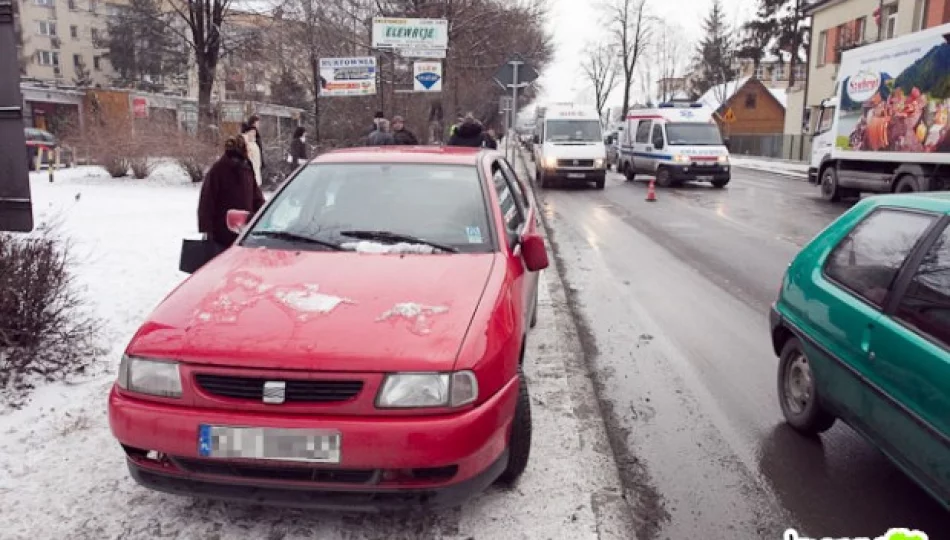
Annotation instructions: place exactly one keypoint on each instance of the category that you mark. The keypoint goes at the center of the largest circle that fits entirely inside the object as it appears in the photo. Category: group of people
(468, 131)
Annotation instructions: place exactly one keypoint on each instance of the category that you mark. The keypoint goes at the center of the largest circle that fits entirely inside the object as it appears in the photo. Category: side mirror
(534, 252)
(237, 220)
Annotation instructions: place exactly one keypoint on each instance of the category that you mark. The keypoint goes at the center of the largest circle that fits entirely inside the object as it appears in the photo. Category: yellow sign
(729, 116)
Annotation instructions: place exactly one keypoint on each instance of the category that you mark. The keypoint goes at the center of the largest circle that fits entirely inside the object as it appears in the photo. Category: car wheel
(907, 184)
(600, 183)
(719, 183)
(798, 392)
(663, 177)
(829, 185)
(543, 182)
(519, 443)
(628, 172)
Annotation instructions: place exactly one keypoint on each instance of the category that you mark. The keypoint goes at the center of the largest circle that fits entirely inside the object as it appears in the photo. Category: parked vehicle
(37, 139)
(675, 142)
(569, 146)
(886, 129)
(862, 330)
(359, 346)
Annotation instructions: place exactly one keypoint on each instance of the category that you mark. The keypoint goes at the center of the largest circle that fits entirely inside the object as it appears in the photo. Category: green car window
(926, 304)
(869, 258)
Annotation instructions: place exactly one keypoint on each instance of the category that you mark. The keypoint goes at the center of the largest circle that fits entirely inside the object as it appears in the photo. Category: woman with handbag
(229, 185)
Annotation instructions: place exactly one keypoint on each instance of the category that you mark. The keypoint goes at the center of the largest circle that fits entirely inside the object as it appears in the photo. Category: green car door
(910, 367)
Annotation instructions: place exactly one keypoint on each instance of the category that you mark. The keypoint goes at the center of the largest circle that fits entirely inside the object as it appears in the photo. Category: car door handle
(866, 339)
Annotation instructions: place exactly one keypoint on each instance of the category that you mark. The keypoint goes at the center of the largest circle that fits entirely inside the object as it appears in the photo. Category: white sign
(427, 76)
(864, 85)
(348, 76)
(422, 53)
(399, 33)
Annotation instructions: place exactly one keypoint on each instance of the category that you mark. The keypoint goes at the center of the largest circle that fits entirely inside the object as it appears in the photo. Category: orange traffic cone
(651, 192)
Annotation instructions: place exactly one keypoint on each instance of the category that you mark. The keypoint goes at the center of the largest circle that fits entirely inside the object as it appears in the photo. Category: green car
(862, 330)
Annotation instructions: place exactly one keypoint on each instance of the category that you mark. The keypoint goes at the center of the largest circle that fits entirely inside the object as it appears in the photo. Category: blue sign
(428, 79)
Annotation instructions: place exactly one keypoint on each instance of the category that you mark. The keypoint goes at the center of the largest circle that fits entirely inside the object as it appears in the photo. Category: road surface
(672, 300)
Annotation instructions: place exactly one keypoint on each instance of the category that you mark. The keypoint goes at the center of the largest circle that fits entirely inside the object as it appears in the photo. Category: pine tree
(287, 90)
(780, 28)
(141, 49)
(83, 78)
(716, 52)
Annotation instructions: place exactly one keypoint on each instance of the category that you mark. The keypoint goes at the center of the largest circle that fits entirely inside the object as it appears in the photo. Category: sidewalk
(792, 169)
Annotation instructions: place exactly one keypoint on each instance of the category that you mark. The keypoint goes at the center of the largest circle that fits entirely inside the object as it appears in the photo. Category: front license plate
(704, 177)
(575, 175)
(309, 445)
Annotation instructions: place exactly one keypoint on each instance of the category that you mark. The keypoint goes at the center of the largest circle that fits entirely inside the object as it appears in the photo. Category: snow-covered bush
(45, 330)
(141, 167)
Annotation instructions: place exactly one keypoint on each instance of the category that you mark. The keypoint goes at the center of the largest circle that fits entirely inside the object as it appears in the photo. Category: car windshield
(573, 130)
(378, 207)
(693, 134)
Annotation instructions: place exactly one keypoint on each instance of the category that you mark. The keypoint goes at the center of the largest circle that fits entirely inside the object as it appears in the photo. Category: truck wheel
(542, 181)
(907, 184)
(829, 185)
(663, 177)
(600, 183)
(628, 172)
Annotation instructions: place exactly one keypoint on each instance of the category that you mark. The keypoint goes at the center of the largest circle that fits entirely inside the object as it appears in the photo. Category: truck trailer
(887, 130)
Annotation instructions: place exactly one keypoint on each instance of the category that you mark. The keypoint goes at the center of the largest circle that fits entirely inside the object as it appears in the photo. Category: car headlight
(681, 158)
(153, 377)
(599, 163)
(723, 159)
(419, 390)
(550, 162)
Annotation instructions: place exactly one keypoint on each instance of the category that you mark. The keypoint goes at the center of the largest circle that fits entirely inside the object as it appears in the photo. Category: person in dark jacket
(471, 133)
(401, 135)
(376, 118)
(298, 148)
(382, 136)
(229, 185)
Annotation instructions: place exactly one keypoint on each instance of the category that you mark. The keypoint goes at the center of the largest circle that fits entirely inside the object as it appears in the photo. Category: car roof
(932, 201)
(443, 155)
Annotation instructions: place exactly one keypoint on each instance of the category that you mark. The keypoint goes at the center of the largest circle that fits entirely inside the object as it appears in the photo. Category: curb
(612, 511)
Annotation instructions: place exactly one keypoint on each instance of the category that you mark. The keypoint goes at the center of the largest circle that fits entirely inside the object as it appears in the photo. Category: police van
(569, 146)
(674, 142)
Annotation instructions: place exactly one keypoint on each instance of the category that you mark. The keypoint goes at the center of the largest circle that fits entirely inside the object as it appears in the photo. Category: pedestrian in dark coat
(376, 118)
(298, 148)
(401, 135)
(229, 185)
(382, 136)
(471, 133)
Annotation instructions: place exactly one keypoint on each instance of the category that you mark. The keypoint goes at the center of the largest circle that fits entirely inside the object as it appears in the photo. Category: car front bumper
(575, 175)
(703, 173)
(385, 461)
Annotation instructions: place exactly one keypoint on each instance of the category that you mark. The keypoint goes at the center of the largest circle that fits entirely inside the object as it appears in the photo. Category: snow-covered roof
(725, 92)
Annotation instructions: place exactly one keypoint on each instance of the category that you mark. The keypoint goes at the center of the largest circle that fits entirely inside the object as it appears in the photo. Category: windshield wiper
(397, 237)
(294, 237)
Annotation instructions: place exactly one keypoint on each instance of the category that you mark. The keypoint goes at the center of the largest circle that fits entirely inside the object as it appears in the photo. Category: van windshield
(573, 130)
(694, 134)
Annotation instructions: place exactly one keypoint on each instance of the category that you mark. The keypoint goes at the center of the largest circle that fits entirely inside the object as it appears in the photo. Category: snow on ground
(62, 475)
(794, 169)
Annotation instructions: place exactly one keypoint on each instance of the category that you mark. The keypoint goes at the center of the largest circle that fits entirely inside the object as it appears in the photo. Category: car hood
(324, 311)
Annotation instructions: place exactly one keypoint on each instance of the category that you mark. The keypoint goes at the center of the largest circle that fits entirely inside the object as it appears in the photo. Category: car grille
(266, 472)
(296, 391)
(575, 163)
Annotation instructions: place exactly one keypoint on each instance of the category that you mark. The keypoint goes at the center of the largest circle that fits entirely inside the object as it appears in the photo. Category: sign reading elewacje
(348, 76)
(400, 33)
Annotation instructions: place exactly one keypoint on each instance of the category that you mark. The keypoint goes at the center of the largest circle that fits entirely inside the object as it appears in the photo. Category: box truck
(886, 130)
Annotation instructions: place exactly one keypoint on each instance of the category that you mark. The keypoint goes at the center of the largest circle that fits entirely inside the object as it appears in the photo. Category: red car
(360, 345)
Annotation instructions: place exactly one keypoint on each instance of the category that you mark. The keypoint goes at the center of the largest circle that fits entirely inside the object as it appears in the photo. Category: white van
(569, 146)
(675, 142)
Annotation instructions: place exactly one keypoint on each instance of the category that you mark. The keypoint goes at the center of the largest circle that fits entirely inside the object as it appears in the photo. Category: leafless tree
(669, 59)
(601, 67)
(631, 30)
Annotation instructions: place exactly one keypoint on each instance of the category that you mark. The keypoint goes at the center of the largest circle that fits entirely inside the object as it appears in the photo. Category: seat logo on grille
(275, 392)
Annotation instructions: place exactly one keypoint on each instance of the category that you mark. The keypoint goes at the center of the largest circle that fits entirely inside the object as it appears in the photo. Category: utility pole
(16, 207)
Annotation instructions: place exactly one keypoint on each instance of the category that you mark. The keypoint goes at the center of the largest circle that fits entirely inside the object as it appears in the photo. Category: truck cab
(822, 138)
(569, 147)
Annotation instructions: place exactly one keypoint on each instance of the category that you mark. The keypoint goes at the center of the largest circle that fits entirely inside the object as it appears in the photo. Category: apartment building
(771, 73)
(838, 25)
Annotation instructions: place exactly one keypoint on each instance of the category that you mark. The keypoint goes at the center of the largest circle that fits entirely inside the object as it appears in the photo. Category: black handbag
(195, 253)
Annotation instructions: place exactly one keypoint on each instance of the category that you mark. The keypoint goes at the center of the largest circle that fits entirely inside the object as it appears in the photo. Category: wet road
(672, 298)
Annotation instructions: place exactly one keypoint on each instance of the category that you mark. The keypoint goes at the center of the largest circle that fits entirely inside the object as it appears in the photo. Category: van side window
(926, 304)
(657, 135)
(643, 131)
(869, 258)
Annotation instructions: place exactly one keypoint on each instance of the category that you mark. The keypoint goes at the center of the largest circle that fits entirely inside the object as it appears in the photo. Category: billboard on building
(348, 76)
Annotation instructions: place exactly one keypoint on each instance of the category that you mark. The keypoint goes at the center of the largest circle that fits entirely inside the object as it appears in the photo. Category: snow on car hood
(336, 311)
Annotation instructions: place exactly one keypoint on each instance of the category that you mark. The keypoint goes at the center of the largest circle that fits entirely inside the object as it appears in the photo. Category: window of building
(860, 27)
(93, 6)
(71, 4)
(95, 63)
(74, 31)
(750, 100)
(920, 14)
(778, 73)
(890, 21)
(94, 34)
(77, 60)
(869, 258)
(46, 28)
(47, 58)
(45, 3)
(800, 73)
(822, 47)
(760, 72)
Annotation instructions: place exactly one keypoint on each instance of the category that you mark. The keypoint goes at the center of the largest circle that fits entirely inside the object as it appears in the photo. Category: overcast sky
(574, 23)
